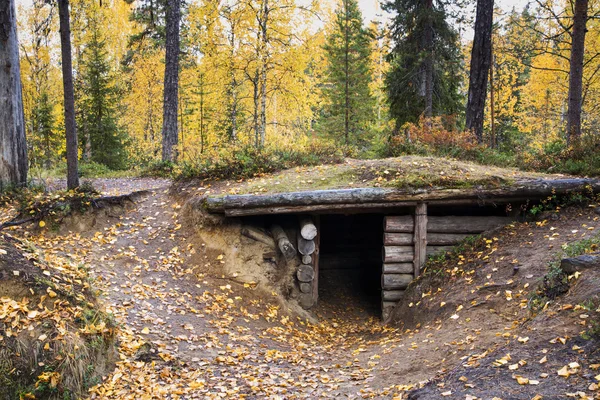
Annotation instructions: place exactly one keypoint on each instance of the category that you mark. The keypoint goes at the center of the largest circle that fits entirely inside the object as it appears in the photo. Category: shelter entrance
(350, 263)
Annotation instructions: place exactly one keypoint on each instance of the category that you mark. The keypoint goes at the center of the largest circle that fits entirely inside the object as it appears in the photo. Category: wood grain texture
(420, 239)
(398, 254)
(395, 281)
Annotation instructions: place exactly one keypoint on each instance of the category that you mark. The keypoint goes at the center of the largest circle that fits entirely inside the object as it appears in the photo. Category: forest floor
(187, 330)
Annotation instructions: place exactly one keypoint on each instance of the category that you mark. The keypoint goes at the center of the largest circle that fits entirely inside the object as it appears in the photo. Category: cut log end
(308, 229)
(305, 273)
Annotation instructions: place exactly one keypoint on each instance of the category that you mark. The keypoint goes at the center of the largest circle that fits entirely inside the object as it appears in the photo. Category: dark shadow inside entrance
(350, 264)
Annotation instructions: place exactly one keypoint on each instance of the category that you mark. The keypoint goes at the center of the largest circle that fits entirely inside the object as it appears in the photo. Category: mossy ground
(408, 172)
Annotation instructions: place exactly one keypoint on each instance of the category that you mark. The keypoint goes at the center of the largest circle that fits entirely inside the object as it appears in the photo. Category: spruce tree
(350, 104)
(425, 61)
(45, 141)
(99, 105)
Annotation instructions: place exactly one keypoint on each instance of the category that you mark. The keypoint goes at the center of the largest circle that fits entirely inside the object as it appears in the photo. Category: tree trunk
(68, 93)
(429, 63)
(263, 73)
(170, 135)
(13, 148)
(346, 76)
(576, 70)
(481, 56)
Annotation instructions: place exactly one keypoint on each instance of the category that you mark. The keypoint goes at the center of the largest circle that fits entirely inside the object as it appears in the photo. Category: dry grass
(410, 172)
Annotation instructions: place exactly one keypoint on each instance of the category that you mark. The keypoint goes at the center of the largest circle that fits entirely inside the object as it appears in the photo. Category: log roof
(372, 199)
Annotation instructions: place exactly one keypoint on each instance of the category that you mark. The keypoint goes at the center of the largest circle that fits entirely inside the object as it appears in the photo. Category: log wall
(410, 239)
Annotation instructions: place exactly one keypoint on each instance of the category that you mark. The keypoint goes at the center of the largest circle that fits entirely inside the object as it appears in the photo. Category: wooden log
(305, 287)
(521, 189)
(434, 239)
(270, 256)
(258, 235)
(449, 224)
(306, 247)
(398, 254)
(308, 230)
(360, 208)
(284, 244)
(398, 268)
(399, 224)
(398, 239)
(445, 239)
(316, 261)
(437, 250)
(395, 281)
(392, 295)
(305, 273)
(306, 259)
(452, 224)
(420, 238)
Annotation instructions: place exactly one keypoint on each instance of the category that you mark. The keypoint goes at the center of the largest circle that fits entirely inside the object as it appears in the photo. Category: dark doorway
(350, 264)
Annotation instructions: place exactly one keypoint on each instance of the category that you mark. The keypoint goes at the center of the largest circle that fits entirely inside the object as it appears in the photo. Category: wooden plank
(398, 254)
(316, 261)
(398, 239)
(395, 281)
(433, 250)
(399, 224)
(398, 268)
(392, 295)
(308, 230)
(420, 238)
(445, 239)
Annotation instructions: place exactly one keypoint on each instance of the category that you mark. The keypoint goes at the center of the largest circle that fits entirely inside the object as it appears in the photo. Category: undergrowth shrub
(440, 138)
(241, 162)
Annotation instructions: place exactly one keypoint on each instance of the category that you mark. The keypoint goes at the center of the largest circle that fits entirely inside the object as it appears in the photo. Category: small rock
(579, 263)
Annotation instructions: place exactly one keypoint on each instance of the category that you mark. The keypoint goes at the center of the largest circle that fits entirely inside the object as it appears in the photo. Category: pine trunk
(68, 93)
(429, 62)
(170, 135)
(481, 58)
(576, 70)
(13, 148)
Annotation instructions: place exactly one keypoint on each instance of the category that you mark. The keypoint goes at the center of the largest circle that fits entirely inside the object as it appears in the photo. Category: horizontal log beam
(449, 224)
(398, 268)
(398, 239)
(437, 250)
(434, 239)
(521, 189)
(446, 239)
(392, 295)
(398, 254)
(395, 281)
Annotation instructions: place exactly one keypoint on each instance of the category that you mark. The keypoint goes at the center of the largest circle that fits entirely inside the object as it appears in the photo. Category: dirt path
(189, 332)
